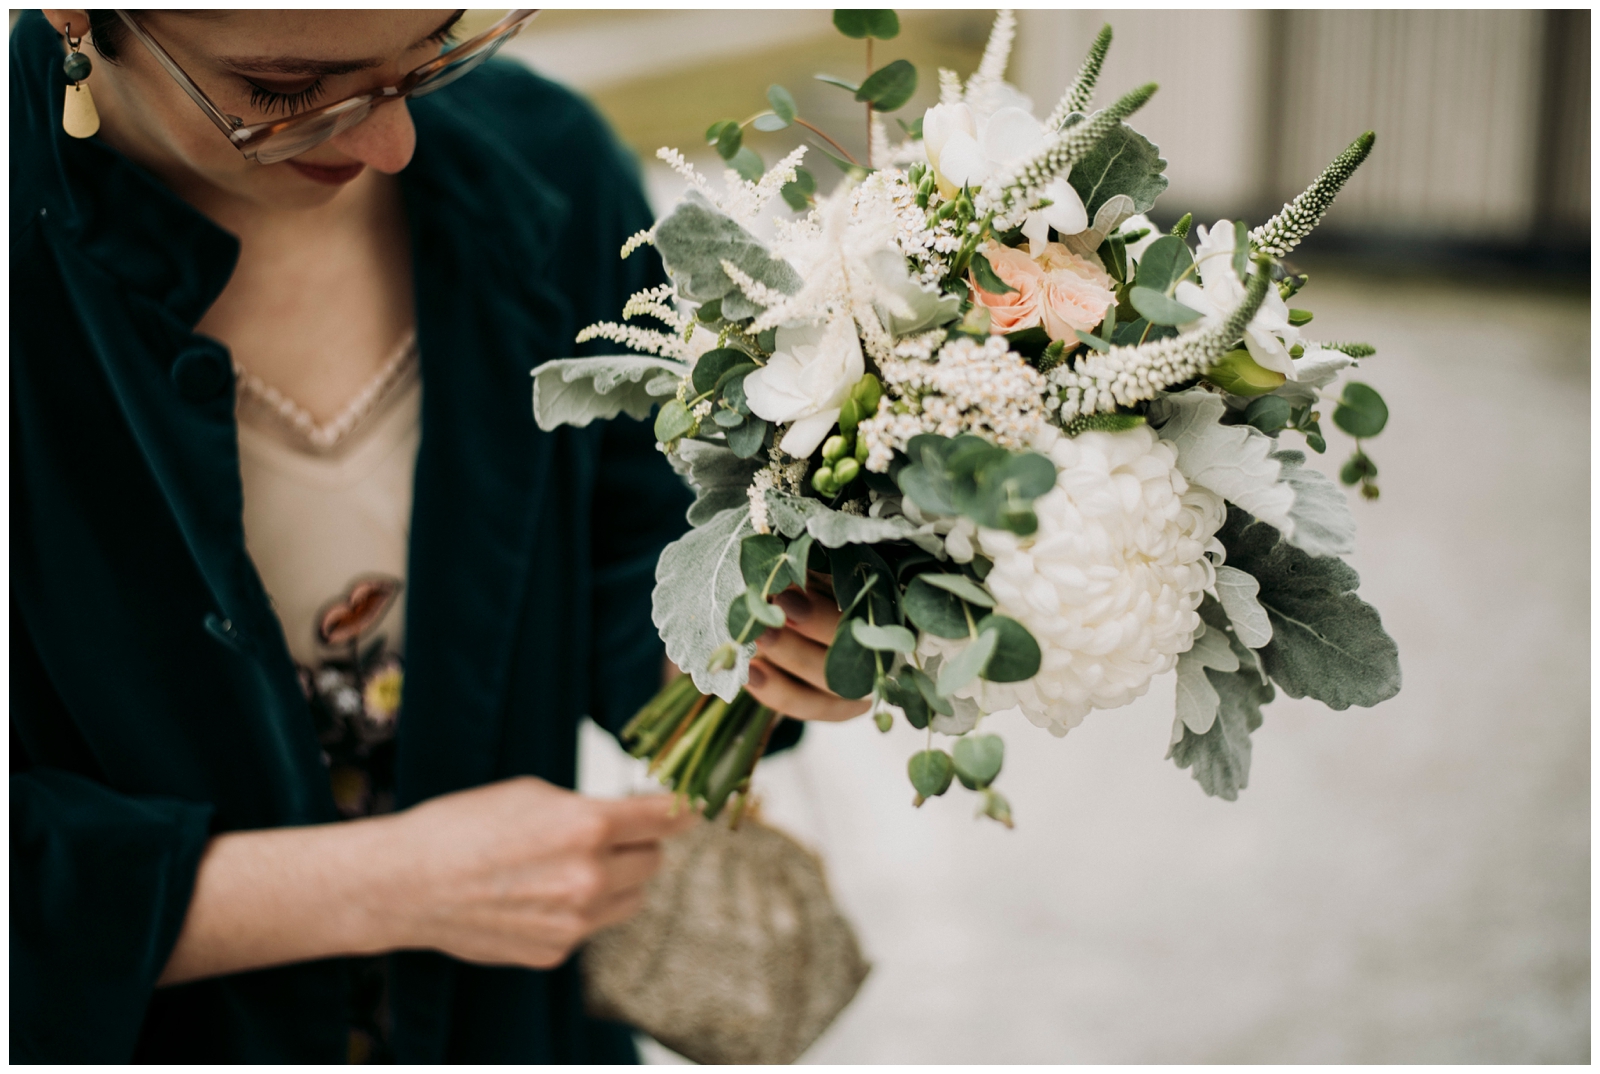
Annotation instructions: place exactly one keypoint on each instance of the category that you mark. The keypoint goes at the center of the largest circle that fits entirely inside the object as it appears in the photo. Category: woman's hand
(513, 873)
(521, 872)
(787, 672)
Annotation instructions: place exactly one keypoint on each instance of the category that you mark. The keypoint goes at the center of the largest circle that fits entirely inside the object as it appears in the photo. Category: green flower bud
(866, 394)
(1238, 373)
(822, 481)
(849, 416)
(861, 450)
(845, 471)
(834, 448)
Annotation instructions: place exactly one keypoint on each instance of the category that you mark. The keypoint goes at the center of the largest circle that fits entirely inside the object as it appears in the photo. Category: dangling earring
(79, 117)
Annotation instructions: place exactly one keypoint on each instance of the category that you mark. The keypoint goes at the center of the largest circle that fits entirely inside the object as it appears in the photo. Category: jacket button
(201, 374)
(224, 631)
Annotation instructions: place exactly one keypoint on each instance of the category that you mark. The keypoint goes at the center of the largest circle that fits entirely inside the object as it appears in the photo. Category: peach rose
(1015, 310)
(1075, 293)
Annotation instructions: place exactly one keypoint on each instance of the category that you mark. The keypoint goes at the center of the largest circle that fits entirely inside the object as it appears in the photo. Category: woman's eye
(288, 99)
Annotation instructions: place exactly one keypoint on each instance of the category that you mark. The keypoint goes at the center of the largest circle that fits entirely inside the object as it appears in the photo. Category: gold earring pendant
(79, 117)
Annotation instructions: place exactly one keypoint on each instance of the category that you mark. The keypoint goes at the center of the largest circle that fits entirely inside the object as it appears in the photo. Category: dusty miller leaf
(1323, 524)
(1220, 756)
(833, 529)
(1237, 592)
(717, 474)
(1197, 700)
(1125, 162)
(697, 578)
(696, 237)
(1326, 643)
(576, 391)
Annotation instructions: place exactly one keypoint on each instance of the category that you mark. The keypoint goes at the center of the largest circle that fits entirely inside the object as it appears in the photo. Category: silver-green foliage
(1123, 162)
(1220, 755)
(1327, 643)
(718, 475)
(697, 578)
(695, 239)
(576, 391)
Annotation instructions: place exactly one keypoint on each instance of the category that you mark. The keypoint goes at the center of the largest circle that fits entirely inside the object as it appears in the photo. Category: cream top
(328, 506)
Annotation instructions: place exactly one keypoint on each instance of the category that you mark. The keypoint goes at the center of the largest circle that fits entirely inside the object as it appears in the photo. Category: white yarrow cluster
(1110, 583)
(971, 387)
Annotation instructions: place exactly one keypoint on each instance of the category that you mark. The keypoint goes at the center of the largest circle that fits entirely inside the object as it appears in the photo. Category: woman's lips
(333, 175)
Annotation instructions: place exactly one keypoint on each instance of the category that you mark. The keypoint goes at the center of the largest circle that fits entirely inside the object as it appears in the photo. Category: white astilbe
(950, 91)
(991, 71)
(879, 151)
(677, 163)
(655, 302)
(1110, 582)
(1100, 382)
(745, 200)
(752, 288)
(647, 237)
(981, 388)
(838, 252)
(647, 340)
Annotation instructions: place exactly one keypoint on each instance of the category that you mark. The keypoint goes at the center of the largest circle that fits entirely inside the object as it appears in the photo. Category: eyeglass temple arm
(225, 123)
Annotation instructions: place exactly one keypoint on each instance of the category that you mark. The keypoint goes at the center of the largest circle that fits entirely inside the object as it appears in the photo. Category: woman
(271, 434)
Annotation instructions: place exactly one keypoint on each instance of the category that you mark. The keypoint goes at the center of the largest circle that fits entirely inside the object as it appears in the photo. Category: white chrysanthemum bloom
(1269, 334)
(1110, 583)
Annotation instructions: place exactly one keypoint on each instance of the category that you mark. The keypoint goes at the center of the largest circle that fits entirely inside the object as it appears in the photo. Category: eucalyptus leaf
(748, 163)
(929, 690)
(769, 123)
(988, 278)
(1016, 655)
(889, 87)
(1160, 309)
(978, 759)
(883, 639)
(934, 610)
(782, 102)
(795, 514)
(863, 582)
(931, 772)
(746, 440)
(710, 366)
(850, 667)
(673, 421)
(859, 23)
(1165, 262)
(727, 419)
(697, 577)
(1326, 642)
(961, 586)
(1094, 342)
(759, 554)
(842, 83)
(966, 664)
(768, 615)
(1361, 411)
(577, 391)
(902, 691)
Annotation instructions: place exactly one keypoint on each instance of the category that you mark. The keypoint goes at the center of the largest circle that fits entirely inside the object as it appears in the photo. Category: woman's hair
(108, 32)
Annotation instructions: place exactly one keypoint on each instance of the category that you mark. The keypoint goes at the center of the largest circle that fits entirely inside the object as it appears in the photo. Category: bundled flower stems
(1042, 451)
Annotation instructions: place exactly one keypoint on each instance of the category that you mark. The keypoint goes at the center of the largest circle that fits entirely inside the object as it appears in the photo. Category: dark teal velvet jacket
(153, 700)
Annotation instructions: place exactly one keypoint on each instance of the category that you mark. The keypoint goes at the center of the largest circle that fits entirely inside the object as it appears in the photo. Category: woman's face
(261, 65)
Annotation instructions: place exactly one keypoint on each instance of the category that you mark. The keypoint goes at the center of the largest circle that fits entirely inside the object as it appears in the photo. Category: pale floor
(1403, 884)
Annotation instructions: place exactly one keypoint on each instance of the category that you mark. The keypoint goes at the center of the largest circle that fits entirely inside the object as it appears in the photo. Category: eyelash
(268, 102)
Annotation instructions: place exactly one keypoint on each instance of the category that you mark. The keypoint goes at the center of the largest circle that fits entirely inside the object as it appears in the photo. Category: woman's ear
(60, 19)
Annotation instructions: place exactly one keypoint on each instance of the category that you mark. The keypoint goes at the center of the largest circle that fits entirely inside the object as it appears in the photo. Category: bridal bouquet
(1039, 450)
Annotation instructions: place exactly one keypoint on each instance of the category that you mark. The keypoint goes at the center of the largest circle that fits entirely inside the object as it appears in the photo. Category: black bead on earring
(79, 117)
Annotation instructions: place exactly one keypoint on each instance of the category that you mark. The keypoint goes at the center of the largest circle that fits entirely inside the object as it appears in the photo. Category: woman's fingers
(801, 657)
(783, 693)
(811, 612)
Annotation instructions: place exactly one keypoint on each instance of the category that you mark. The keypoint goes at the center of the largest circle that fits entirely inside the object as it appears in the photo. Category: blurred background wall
(1482, 115)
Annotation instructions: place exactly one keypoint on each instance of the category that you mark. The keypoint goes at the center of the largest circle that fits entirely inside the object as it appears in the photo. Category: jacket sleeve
(100, 884)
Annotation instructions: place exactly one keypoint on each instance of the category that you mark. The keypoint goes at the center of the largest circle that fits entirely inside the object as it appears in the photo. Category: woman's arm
(512, 873)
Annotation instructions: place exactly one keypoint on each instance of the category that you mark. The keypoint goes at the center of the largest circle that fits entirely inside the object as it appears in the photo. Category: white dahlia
(1110, 583)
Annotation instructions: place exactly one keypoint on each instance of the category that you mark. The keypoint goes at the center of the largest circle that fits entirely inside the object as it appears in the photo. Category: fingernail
(758, 676)
(795, 604)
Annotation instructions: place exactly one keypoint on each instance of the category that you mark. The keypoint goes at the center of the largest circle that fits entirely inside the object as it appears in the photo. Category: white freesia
(1269, 334)
(965, 149)
(1108, 585)
(806, 381)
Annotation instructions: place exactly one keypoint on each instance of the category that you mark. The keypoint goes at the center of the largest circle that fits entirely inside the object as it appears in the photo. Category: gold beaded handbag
(739, 955)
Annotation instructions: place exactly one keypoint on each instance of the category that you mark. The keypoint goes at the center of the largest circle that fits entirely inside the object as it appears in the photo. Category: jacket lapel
(483, 229)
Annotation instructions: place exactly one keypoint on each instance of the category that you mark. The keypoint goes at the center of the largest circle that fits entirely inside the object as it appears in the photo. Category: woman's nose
(384, 141)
